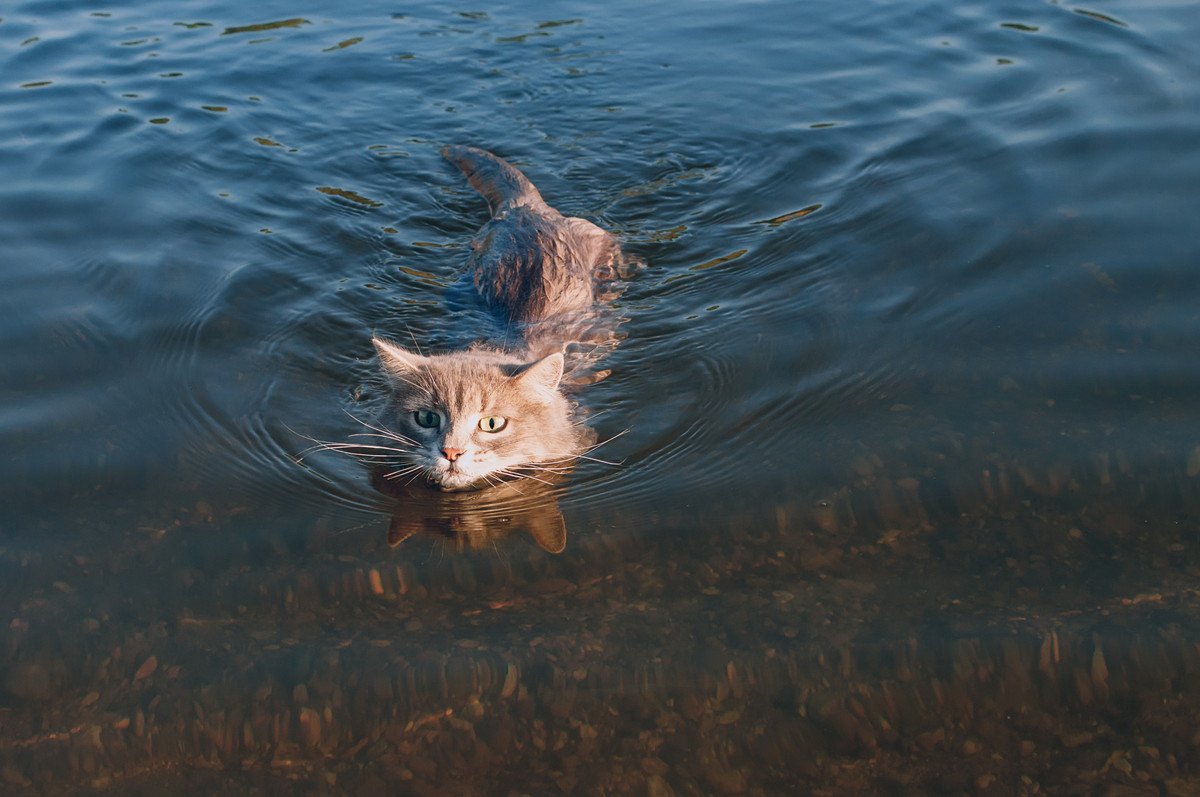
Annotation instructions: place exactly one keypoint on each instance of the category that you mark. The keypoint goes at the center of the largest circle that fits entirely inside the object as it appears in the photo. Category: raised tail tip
(496, 179)
(452, 152)
(467, 157)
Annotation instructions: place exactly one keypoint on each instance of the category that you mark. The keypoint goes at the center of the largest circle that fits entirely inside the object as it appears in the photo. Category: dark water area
(905, 416)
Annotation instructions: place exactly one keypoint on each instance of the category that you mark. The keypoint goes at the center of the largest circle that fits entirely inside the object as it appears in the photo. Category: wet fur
(541, 273)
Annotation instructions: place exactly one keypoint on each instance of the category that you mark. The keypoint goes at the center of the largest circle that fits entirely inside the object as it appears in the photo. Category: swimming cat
(496, 410)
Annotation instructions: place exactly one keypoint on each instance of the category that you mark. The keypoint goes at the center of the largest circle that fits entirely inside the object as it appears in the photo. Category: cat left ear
(544, 374)
(395, 360)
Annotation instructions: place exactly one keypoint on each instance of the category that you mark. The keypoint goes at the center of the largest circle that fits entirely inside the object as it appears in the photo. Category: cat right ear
(544, 374)
(395, 360)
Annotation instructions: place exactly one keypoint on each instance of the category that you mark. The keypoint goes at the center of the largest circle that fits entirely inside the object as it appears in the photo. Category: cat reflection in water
(475, 520)
(496, 411)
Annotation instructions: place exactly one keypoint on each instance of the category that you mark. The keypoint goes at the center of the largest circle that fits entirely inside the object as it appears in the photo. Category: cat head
(473, 418)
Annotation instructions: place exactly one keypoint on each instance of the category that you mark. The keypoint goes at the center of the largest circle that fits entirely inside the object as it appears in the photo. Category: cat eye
(492, 423)
(427, 419)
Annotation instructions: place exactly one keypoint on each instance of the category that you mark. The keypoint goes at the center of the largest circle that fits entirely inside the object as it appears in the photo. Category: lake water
(905, 413)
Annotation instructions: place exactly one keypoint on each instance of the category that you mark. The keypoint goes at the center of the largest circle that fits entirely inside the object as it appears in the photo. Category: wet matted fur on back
(496, 410)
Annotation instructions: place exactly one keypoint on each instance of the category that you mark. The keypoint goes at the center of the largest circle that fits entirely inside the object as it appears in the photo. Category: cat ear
(544, 374)
(396, 360)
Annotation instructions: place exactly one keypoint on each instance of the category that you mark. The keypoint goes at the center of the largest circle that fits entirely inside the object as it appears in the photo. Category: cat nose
(452, 454)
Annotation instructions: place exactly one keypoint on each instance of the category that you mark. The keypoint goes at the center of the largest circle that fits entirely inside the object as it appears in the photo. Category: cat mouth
(458, 487)
(453, 478)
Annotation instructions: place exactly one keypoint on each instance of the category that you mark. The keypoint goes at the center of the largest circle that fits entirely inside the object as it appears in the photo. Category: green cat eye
(427, 419)
(492, 423)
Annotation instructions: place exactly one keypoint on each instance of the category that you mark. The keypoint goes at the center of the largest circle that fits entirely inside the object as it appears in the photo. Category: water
(905, 411)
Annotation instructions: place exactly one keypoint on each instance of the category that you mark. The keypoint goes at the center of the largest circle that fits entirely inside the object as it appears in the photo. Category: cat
(497, 410)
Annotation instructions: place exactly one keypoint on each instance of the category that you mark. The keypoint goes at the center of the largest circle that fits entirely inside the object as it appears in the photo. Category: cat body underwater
(495, 411)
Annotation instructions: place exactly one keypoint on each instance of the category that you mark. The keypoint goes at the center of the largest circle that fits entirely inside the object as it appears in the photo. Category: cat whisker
(514, 474)
(564, 462)
(380, 461)
(501, 481)
(602, 461)
(605, 442)
(542, 468)
(351, 446)
(378, 429)
(402, 472)
(496, 483)
(371, 455)
(300, 434)
(312, 450)
(584, 454)
(361, 422)
(387, 434)
(591, 416)
(354, 449)
(420, 471)
(398, 438)
(368, 455)
(318, 445)
(553, 474)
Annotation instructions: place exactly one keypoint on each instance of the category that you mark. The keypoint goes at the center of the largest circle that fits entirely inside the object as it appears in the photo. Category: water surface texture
(904, 417)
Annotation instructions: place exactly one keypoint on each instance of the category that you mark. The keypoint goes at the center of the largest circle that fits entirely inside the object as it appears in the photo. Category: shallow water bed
(1022, 639)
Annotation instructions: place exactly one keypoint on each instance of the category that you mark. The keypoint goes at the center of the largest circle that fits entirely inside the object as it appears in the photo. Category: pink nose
(452, 454)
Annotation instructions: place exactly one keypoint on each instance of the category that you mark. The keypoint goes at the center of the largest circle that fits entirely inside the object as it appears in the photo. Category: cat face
(471, 419)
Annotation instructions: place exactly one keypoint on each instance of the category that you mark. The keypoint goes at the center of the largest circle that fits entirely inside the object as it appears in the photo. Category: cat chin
(457, 487)
(460, 481)
(456, 482)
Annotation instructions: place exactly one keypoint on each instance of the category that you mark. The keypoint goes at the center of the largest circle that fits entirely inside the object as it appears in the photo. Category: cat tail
(500, 183)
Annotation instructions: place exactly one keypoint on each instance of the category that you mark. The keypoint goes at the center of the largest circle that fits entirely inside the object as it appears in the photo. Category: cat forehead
(458, 384)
